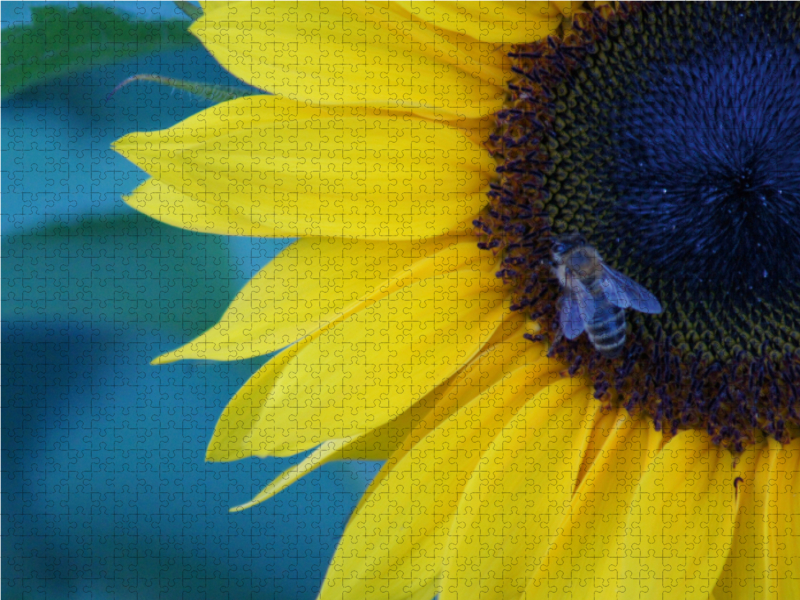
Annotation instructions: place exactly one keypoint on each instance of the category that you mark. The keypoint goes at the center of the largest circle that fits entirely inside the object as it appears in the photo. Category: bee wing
(577, 307)
(624, 292)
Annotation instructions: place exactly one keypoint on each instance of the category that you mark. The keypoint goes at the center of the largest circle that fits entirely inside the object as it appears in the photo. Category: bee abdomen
(607, 329)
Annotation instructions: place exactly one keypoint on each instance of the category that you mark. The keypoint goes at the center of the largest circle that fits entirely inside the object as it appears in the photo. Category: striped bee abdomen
(606, 328)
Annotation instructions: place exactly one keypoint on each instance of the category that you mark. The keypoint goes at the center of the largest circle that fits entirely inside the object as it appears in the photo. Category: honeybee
(595, 295)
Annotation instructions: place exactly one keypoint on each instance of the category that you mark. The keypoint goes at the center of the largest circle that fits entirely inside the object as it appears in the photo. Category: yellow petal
(782, 518)
(765, 558)
(164, 203)
(495, 22)
(583, 561)
(506, 350)
(393, 545)
(365, 370)
(231, 439)
(330, 450)
(519, 493)
(292, 170)
(368, 447)
(377, 444)
(346, 53)
(311, 284)
(680, 522)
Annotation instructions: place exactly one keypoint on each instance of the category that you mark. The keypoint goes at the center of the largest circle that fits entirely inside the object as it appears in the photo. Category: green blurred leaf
(60, 42)
(118, 268)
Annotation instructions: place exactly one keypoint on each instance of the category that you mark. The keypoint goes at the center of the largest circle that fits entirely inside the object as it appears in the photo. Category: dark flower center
(704, 163)
(669, 136)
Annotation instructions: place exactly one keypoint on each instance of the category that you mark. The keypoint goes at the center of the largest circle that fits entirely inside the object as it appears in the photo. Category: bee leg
(554, 343)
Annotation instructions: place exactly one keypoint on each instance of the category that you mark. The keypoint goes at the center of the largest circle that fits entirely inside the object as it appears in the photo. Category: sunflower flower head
(672, 154)
(426, 156)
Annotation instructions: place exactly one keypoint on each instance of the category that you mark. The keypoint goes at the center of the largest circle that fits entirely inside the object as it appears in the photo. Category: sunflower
(426, 156)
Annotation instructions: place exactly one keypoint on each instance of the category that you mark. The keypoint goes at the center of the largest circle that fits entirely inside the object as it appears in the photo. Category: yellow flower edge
(503, 476)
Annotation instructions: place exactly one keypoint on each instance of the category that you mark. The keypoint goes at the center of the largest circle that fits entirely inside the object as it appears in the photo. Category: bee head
(562, 245)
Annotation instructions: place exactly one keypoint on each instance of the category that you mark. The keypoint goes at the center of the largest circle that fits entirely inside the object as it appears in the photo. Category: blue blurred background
(105, 493)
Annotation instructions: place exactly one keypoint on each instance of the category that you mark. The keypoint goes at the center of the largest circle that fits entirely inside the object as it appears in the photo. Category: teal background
(105, 492)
